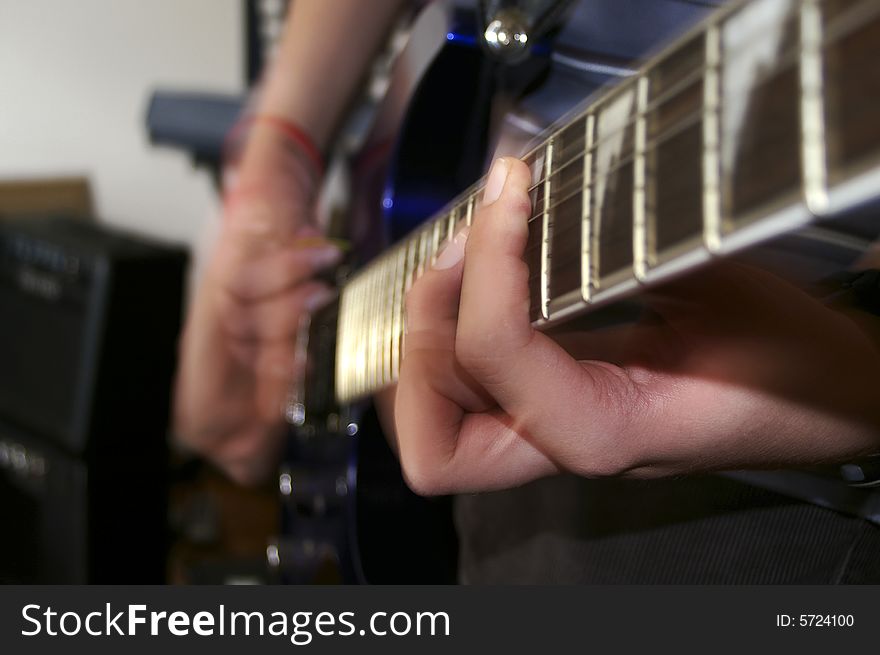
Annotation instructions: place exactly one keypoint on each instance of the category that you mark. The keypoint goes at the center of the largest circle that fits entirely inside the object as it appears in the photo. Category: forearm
(322, 60)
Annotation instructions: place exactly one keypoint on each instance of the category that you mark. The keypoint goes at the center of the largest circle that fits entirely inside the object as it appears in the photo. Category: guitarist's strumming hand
(238, 347)
(731, 368)
(236, 358)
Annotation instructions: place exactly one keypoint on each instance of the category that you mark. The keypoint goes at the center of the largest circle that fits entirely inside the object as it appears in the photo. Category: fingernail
(495, 183)
(318, 300)
(453, 251)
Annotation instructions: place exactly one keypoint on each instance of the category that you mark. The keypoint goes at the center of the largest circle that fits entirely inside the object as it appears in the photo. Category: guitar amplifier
(89, 320)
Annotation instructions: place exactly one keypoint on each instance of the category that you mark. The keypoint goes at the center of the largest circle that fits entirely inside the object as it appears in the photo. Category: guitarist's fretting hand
(733, 369)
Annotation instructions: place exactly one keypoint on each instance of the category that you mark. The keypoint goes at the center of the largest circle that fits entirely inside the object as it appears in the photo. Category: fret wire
(546, 234)
(341, 343)
(586, 225)
(387, 317)
(407, 281)
(397, 283)
(371, 339)
(626, 161)
(408, 278)
(366, 326)
(813, 155)
(538, 148)
(436, 241)
(376, 340)
(351, 378)
(711, 141)
(429, 248)
(352, 343)
(364, 334)
(573, 192)
(469, 218)
(420, 254)
(441, 225)
(397, 310)
(537, 274)
(639, 235)
(351, 340)
(343, 360)
(378, 326)
(579, 157)
(428, 235)
(411, 265)
(350, 332)
(379, 320)
(557, 169)
(360, 349)
(340, 347)
(364, 345)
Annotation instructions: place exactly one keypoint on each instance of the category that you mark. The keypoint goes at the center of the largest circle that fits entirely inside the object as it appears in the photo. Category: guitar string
(573, 187)
(470, 196)
(784, 62)
(841, 26)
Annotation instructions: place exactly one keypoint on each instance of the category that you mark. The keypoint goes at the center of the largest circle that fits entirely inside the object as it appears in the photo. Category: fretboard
(757, 123)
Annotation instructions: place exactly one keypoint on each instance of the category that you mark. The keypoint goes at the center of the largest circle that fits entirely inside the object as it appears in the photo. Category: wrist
(256, 134)
(267, 164)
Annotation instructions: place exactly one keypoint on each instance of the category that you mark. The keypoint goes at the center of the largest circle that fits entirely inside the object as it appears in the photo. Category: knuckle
(619, 438)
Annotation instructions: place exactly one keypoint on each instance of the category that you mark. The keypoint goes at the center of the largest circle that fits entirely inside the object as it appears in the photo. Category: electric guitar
(753, 135)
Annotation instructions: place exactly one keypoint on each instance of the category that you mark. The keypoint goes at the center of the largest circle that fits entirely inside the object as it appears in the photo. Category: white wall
(75, 76)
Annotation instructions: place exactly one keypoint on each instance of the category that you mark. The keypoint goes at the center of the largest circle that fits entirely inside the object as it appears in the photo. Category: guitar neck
(756, 123)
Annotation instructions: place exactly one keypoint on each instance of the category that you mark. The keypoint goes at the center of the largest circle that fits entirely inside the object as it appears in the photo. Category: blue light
(387, 202)
(450, 36)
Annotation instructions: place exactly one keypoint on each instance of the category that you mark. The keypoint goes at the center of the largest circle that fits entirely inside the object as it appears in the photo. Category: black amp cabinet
(89, 320)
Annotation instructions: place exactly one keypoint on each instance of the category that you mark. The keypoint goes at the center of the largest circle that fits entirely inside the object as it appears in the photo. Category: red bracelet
(290, 130)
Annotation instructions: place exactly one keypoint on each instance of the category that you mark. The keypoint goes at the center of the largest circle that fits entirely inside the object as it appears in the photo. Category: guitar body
(348, 516)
